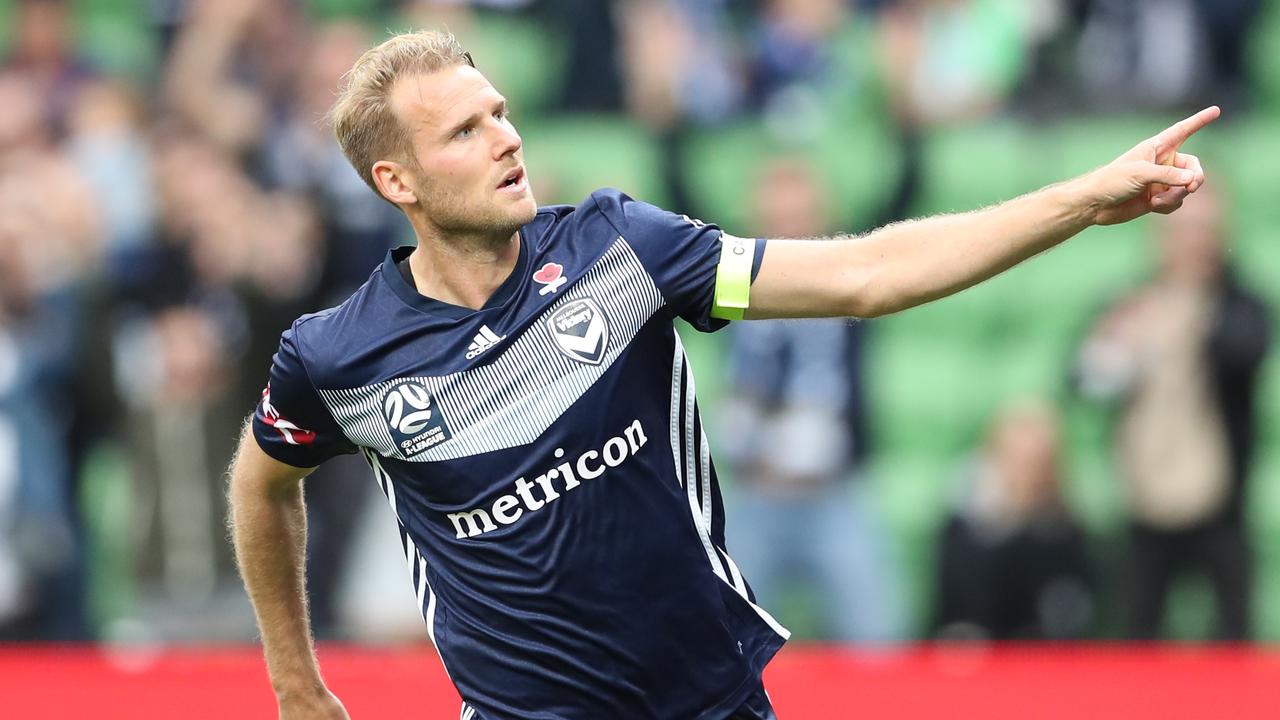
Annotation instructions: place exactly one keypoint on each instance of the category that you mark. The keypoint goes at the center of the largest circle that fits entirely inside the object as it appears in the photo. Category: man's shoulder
(601, 211)
(311, 328)
(604, 195)
(608, 202)
(321, 338)
(611, 203)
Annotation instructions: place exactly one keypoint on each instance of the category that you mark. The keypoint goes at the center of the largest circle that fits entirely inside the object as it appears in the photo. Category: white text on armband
(589, 465)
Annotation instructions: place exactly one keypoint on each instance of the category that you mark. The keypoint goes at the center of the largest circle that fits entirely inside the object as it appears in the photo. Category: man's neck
(463, 271)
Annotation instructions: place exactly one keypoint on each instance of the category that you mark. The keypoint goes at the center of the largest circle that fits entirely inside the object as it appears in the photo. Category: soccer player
(519, 392)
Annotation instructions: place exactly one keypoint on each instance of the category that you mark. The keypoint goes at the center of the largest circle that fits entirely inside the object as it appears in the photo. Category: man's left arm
(910, 263)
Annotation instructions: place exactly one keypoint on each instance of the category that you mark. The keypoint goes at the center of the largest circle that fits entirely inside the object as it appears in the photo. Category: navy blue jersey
(546, 461)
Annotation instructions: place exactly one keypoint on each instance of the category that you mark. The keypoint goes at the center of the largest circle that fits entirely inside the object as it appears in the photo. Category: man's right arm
(917, 261)
(269, 530)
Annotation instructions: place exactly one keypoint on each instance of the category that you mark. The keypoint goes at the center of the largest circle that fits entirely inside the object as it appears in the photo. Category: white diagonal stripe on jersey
(407, 546)
(416, 561)
(735, 575)
(425, 593)
(690, 469)
(513, 399)
(703, 517)
(677, 366)
(703, 454)
(363, 432)
(421, 585)
(684, 424)
(741, 587)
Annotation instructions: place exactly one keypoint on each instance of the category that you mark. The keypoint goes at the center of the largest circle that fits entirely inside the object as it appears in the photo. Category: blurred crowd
(168, 209)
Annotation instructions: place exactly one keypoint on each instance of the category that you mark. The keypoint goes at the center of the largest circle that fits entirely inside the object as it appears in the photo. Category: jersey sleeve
(291, 422)
(681, 254)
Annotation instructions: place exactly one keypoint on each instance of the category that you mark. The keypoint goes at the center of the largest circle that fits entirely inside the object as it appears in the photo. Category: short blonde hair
(362, 118)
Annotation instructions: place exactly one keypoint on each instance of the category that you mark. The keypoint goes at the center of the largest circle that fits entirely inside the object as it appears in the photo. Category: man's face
(470, 174)
(789, 201)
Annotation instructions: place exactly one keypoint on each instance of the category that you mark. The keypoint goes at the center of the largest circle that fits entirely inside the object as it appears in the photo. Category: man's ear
(394, 182)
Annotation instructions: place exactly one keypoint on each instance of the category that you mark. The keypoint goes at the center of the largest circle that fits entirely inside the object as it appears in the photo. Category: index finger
(1172, 138)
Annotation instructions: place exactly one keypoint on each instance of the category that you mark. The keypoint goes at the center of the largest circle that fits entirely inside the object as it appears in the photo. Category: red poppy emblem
(550, 275)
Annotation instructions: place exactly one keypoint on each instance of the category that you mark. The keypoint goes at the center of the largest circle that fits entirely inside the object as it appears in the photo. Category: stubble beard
(486, 222)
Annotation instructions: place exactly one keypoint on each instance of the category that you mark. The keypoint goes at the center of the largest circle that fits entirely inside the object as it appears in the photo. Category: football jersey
(546, 462)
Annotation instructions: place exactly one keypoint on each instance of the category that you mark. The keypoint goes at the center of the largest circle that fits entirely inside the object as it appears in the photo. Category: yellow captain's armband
(733, 277)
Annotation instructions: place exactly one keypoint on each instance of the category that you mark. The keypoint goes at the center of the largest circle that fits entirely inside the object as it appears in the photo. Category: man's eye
(464, 132)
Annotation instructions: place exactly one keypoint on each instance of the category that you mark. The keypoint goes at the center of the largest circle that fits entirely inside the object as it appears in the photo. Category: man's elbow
(866, 295)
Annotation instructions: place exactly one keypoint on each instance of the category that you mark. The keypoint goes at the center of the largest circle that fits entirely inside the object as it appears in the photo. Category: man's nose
(507, 140)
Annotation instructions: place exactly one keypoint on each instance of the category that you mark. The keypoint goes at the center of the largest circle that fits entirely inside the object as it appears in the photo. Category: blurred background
(1086, 448)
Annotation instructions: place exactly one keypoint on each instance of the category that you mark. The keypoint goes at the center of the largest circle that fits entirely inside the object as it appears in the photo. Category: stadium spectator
(42, 562)
(177, 516)
(320, 224)
(1121, 57)
(107, 144)
(675, 65)
(232, 63)
(954, 60)
(814, 66)
(42, 47)
(1012, 562)
(1182, 353)
(797, 437)
(299, 154)
(676, 75)
(232, 263)
(793, 45)
(177, 328)
(593, 75)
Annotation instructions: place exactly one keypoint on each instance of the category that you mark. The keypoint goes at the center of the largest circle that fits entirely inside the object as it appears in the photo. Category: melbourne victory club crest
(551, 277)
(580, 330)
(415, 422)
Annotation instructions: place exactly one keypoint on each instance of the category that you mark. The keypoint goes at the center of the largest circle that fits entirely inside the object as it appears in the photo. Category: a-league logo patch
(580, 330)
(415, 421)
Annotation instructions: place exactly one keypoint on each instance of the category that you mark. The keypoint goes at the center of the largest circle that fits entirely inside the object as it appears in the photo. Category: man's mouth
(512, 179)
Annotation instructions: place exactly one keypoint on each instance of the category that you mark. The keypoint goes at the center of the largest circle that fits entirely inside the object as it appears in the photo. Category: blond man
(523, 400)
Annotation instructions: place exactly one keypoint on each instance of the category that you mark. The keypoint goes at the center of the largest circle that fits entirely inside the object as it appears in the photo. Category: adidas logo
(484, 340)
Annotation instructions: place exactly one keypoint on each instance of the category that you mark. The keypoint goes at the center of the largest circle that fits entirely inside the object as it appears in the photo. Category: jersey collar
(410, 295)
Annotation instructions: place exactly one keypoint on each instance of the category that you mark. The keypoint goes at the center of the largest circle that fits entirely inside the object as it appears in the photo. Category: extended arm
(913, 262)
(269, 529)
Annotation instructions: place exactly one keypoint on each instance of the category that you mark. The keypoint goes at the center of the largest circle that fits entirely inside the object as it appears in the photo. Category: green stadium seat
(516, 53)
(519, 57)
(972, 166)
(116, 35)
(912, 497)
(1264, 59)
(571, 156)
(858, 163)
(1241, 156)
(330, 9)
(1078, 145)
